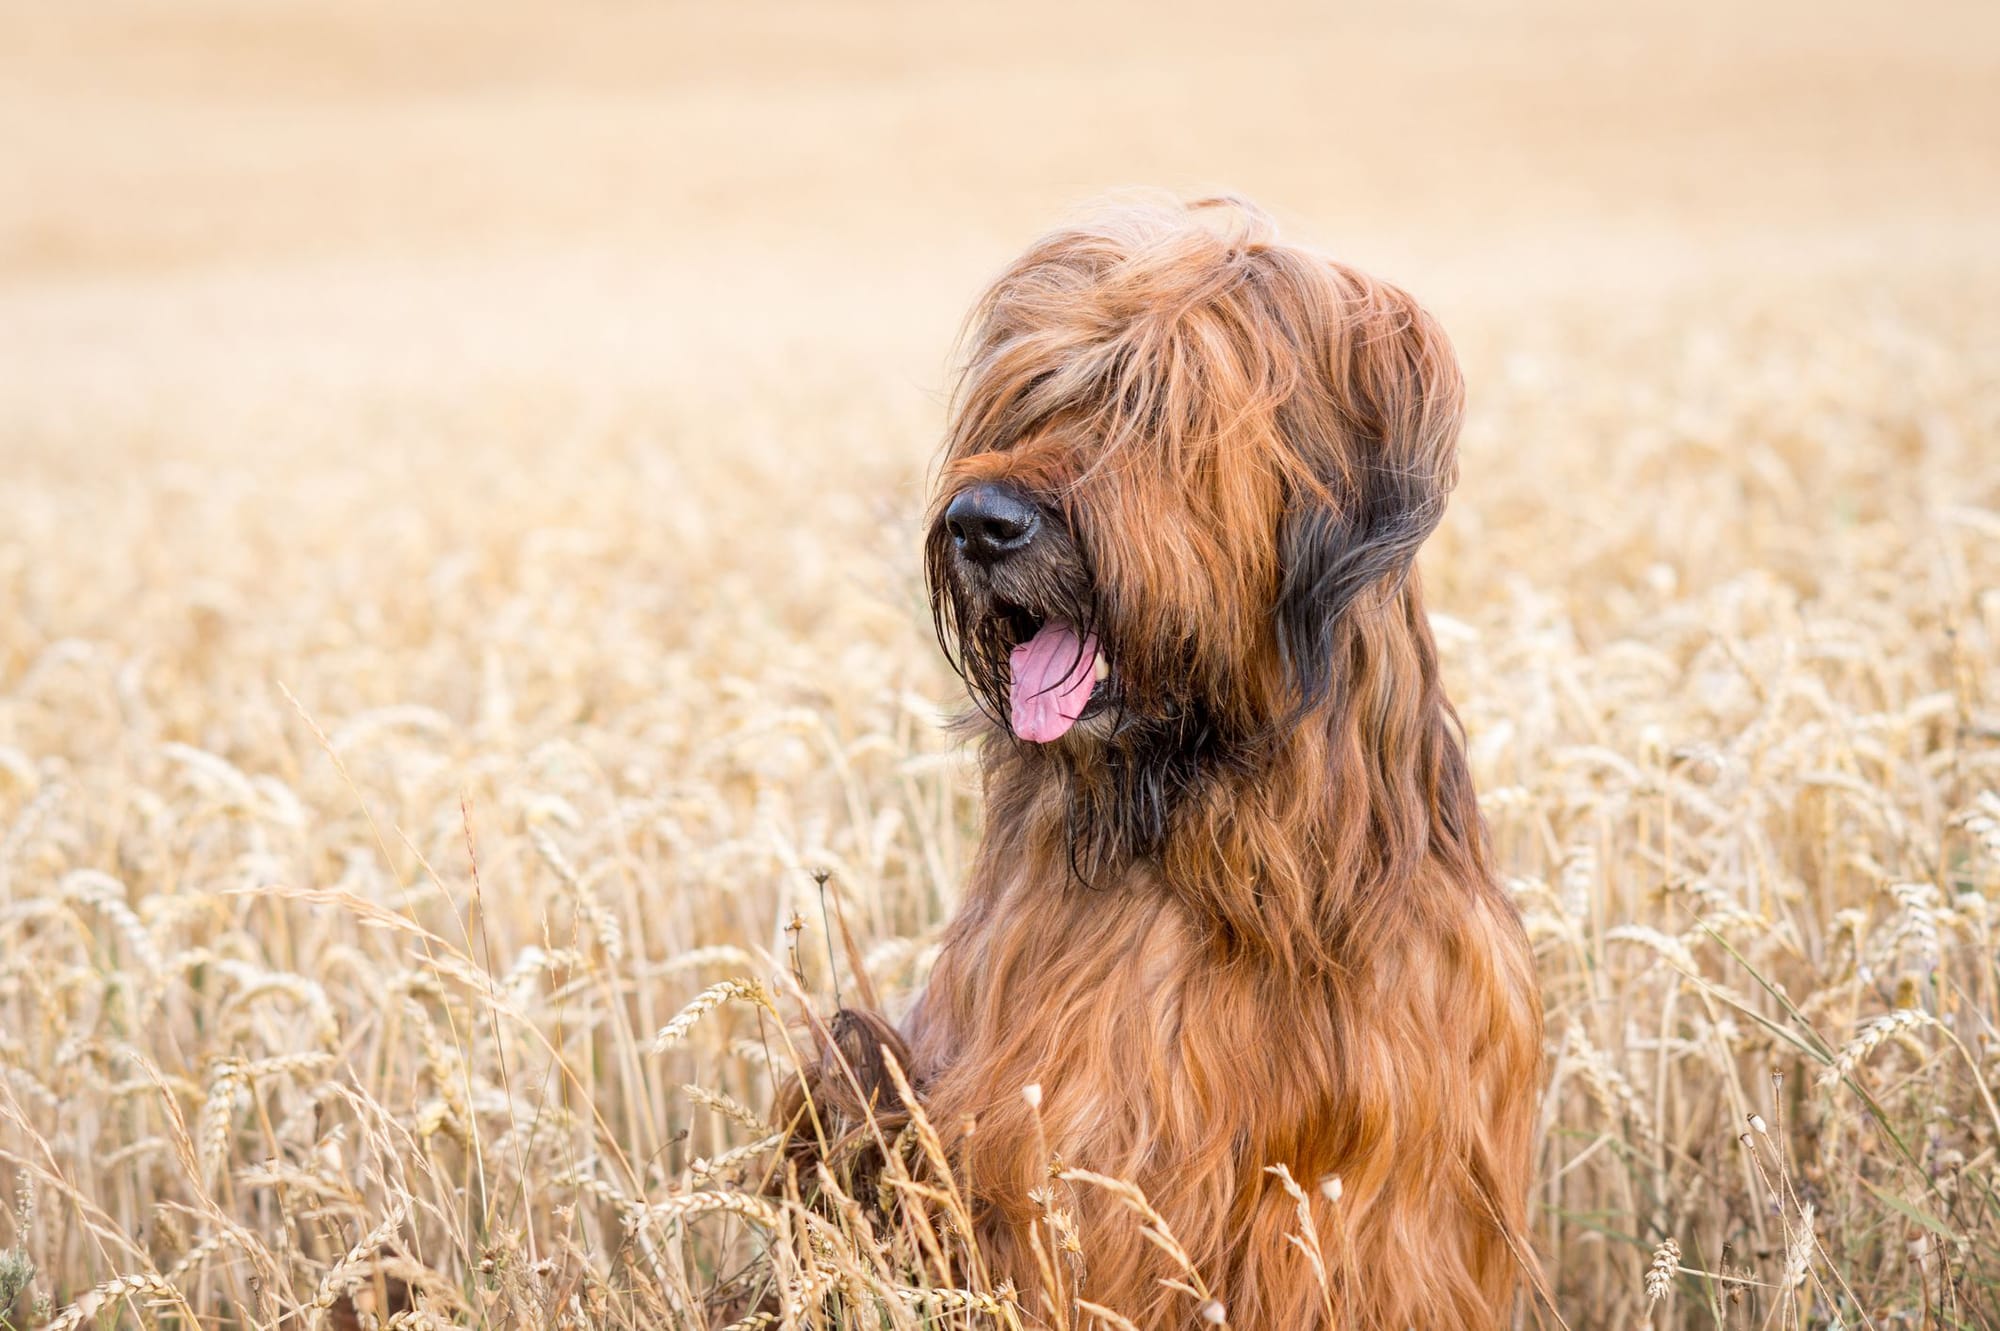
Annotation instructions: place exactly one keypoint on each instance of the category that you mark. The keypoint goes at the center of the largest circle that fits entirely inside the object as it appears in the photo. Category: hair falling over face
(1240, 916)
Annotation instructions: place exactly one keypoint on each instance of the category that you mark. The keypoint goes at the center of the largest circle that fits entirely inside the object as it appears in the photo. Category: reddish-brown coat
(1315, 967)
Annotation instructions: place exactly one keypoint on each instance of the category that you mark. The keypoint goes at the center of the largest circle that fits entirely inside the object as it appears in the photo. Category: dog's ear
(1376, 443)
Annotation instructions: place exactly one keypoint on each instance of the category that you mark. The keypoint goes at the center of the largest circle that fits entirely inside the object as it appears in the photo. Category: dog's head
(1185, 461)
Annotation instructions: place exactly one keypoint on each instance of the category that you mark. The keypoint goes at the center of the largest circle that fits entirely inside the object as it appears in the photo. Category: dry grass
(458, 599)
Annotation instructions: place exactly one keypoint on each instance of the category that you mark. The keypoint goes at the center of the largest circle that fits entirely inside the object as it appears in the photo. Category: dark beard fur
(1120, 795)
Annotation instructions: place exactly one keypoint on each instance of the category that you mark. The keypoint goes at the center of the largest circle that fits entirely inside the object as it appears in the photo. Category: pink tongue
(1054, 672)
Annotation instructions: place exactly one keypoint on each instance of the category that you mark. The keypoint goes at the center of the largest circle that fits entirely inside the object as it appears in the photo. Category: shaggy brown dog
(1233, 908)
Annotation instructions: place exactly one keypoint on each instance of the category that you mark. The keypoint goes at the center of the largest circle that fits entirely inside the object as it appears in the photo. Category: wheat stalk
(705, 1002)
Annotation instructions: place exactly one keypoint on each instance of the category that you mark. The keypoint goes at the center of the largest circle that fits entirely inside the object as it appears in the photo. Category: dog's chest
(1103, 1001)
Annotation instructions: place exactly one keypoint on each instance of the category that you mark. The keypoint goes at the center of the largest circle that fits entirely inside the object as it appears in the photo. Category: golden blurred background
(420, 189)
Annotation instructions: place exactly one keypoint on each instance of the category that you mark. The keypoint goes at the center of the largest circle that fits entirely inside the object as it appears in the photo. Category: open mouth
(1058, 674)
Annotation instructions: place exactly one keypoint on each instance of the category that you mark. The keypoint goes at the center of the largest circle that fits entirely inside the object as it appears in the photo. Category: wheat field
(465, 690)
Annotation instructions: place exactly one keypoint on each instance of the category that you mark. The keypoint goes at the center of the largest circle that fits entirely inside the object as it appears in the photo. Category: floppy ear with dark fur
(1384, 432)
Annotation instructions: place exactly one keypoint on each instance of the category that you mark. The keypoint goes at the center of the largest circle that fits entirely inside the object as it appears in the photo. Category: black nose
(990, 522)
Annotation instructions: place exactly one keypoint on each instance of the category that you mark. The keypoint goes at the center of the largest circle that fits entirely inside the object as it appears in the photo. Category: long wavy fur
(1246, 919)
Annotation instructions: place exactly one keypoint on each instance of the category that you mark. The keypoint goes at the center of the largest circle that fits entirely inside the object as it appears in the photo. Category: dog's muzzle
(1020, 588)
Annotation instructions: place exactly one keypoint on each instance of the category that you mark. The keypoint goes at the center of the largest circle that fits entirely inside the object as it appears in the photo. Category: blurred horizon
(702, 194)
